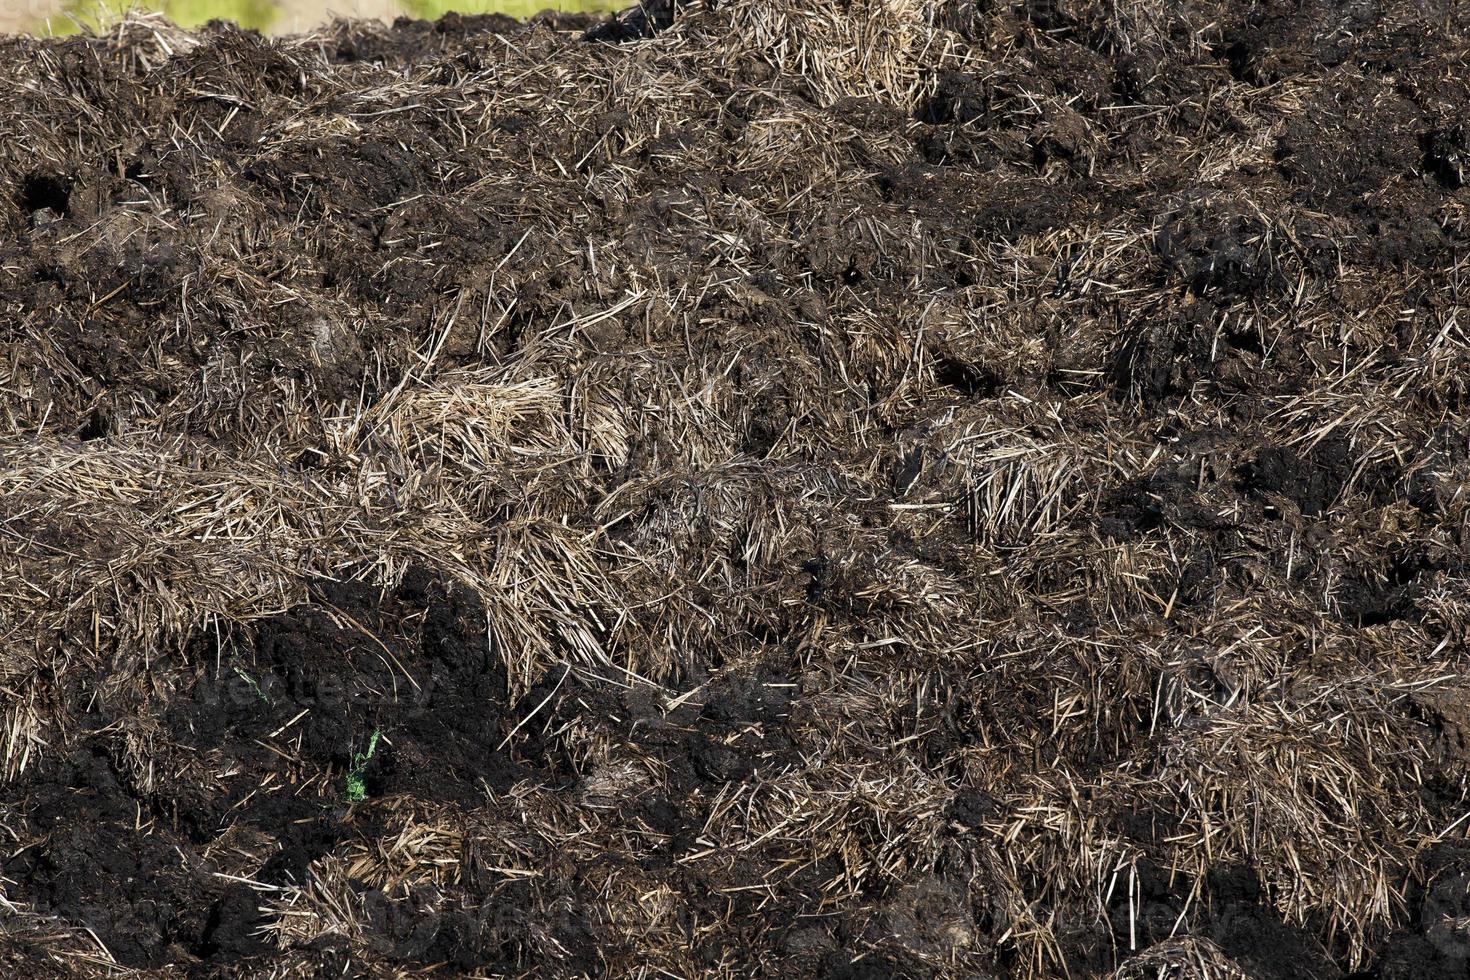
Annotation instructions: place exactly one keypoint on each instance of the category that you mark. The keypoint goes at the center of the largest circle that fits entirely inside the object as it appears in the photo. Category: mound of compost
(833, 488)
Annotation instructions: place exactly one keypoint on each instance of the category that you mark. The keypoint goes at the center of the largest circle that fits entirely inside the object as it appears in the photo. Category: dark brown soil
(991, 506)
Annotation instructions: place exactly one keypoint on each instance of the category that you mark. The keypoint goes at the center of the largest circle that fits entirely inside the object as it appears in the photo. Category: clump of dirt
(948, 489)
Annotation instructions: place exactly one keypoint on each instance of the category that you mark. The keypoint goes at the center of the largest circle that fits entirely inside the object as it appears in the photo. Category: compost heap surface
(830, 489)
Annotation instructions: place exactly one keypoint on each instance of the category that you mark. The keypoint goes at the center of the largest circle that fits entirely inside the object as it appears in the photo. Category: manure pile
(846, 488)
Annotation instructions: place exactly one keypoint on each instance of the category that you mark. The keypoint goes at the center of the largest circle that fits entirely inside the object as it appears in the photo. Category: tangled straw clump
(943, 489)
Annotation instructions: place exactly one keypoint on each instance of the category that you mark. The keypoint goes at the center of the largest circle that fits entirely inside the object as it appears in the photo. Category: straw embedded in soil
(879, 488)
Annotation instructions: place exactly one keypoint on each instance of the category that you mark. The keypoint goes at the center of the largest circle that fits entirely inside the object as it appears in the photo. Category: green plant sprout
(356, 785)
(254, 684)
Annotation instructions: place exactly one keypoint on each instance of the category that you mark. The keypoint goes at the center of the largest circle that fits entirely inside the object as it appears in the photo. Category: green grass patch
(262, 15)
